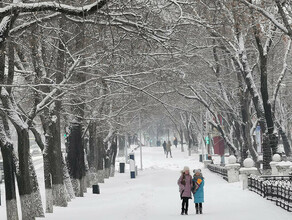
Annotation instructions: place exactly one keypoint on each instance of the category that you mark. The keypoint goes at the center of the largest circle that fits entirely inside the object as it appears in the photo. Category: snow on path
(154, 195)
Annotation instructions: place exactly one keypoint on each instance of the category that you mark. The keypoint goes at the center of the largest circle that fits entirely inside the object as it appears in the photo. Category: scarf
(197, 180)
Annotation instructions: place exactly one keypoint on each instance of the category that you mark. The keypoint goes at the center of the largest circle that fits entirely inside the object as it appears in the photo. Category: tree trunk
(55, 160)
(75, 157)
(286, 144)
(67, 182)
(100, 162)
(93, 150)
(122, 145)
(114, 148)
(270, 139)
(54, 131)
(30, 199)
(181, 135)
(47, 177)
(9, 178)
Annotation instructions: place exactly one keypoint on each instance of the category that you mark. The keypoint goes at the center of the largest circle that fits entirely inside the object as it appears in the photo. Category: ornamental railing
(274, 188)
(219, 170)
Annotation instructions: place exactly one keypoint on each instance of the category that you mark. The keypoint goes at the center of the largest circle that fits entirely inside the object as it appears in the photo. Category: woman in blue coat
(198, 190)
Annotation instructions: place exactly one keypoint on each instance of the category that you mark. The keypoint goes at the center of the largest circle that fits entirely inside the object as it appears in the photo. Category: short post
(247, 170)
(276, 160)
(132, 165)
(131, 156)
(206, 162)
(122, 167)
(95, 189)
(232, 169)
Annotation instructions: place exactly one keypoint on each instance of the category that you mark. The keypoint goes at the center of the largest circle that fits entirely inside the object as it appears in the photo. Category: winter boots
(184, 212)
(201, 210)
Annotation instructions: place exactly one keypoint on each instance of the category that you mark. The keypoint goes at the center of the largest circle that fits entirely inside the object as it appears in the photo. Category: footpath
(154, 195)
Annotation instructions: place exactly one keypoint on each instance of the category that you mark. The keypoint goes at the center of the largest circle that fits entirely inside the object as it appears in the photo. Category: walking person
(185, 185)
(198, 190)
(175, 142)
(168, 149)
(164, 147)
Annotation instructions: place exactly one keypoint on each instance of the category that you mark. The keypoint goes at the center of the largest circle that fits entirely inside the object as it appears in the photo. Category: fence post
(246, 171)
(276, 160)
(284, 167)
(232, 169)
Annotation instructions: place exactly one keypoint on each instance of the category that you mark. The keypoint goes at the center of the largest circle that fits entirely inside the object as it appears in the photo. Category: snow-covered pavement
(154, 195)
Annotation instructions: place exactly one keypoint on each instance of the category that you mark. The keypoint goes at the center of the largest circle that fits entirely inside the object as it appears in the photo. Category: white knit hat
(185, 169)
(197, 170)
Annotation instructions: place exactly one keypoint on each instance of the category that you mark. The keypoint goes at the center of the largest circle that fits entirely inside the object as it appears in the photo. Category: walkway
(154, 195)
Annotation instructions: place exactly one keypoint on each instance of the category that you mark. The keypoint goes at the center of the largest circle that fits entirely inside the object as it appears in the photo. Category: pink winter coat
(185, 189)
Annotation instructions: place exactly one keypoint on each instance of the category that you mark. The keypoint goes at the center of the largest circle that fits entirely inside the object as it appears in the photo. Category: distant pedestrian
(164, 147)
(175, 142)
(168, 149)
(198, 190)
(185, 185)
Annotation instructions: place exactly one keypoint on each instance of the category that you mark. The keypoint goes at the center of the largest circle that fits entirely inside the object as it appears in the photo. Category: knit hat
(196, 171)
(185, 169)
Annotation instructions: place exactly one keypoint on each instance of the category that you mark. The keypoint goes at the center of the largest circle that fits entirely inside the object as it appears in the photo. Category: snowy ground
(154, 195)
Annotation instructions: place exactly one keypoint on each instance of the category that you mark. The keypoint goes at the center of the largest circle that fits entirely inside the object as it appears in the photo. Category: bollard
(122, 167)
(132, 169)
(95, 189)
(132, 156)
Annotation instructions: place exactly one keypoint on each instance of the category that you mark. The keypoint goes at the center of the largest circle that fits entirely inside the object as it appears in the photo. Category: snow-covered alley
(154, 195)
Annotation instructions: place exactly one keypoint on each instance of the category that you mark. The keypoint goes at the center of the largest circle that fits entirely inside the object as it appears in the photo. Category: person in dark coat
(198, 190)
(185, 185)
(175, 142)
(164, 147)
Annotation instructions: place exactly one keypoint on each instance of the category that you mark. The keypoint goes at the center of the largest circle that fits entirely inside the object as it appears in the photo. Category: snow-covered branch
(52, 6)
(268, 15)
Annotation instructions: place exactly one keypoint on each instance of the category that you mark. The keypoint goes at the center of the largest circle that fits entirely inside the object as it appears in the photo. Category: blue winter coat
(199, 194)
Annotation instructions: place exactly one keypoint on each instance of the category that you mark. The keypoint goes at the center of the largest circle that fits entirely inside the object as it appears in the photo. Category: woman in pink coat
(185, 185)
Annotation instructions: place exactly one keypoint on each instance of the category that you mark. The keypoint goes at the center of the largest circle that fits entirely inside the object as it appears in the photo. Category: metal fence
(274, 188)
(219, 170)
